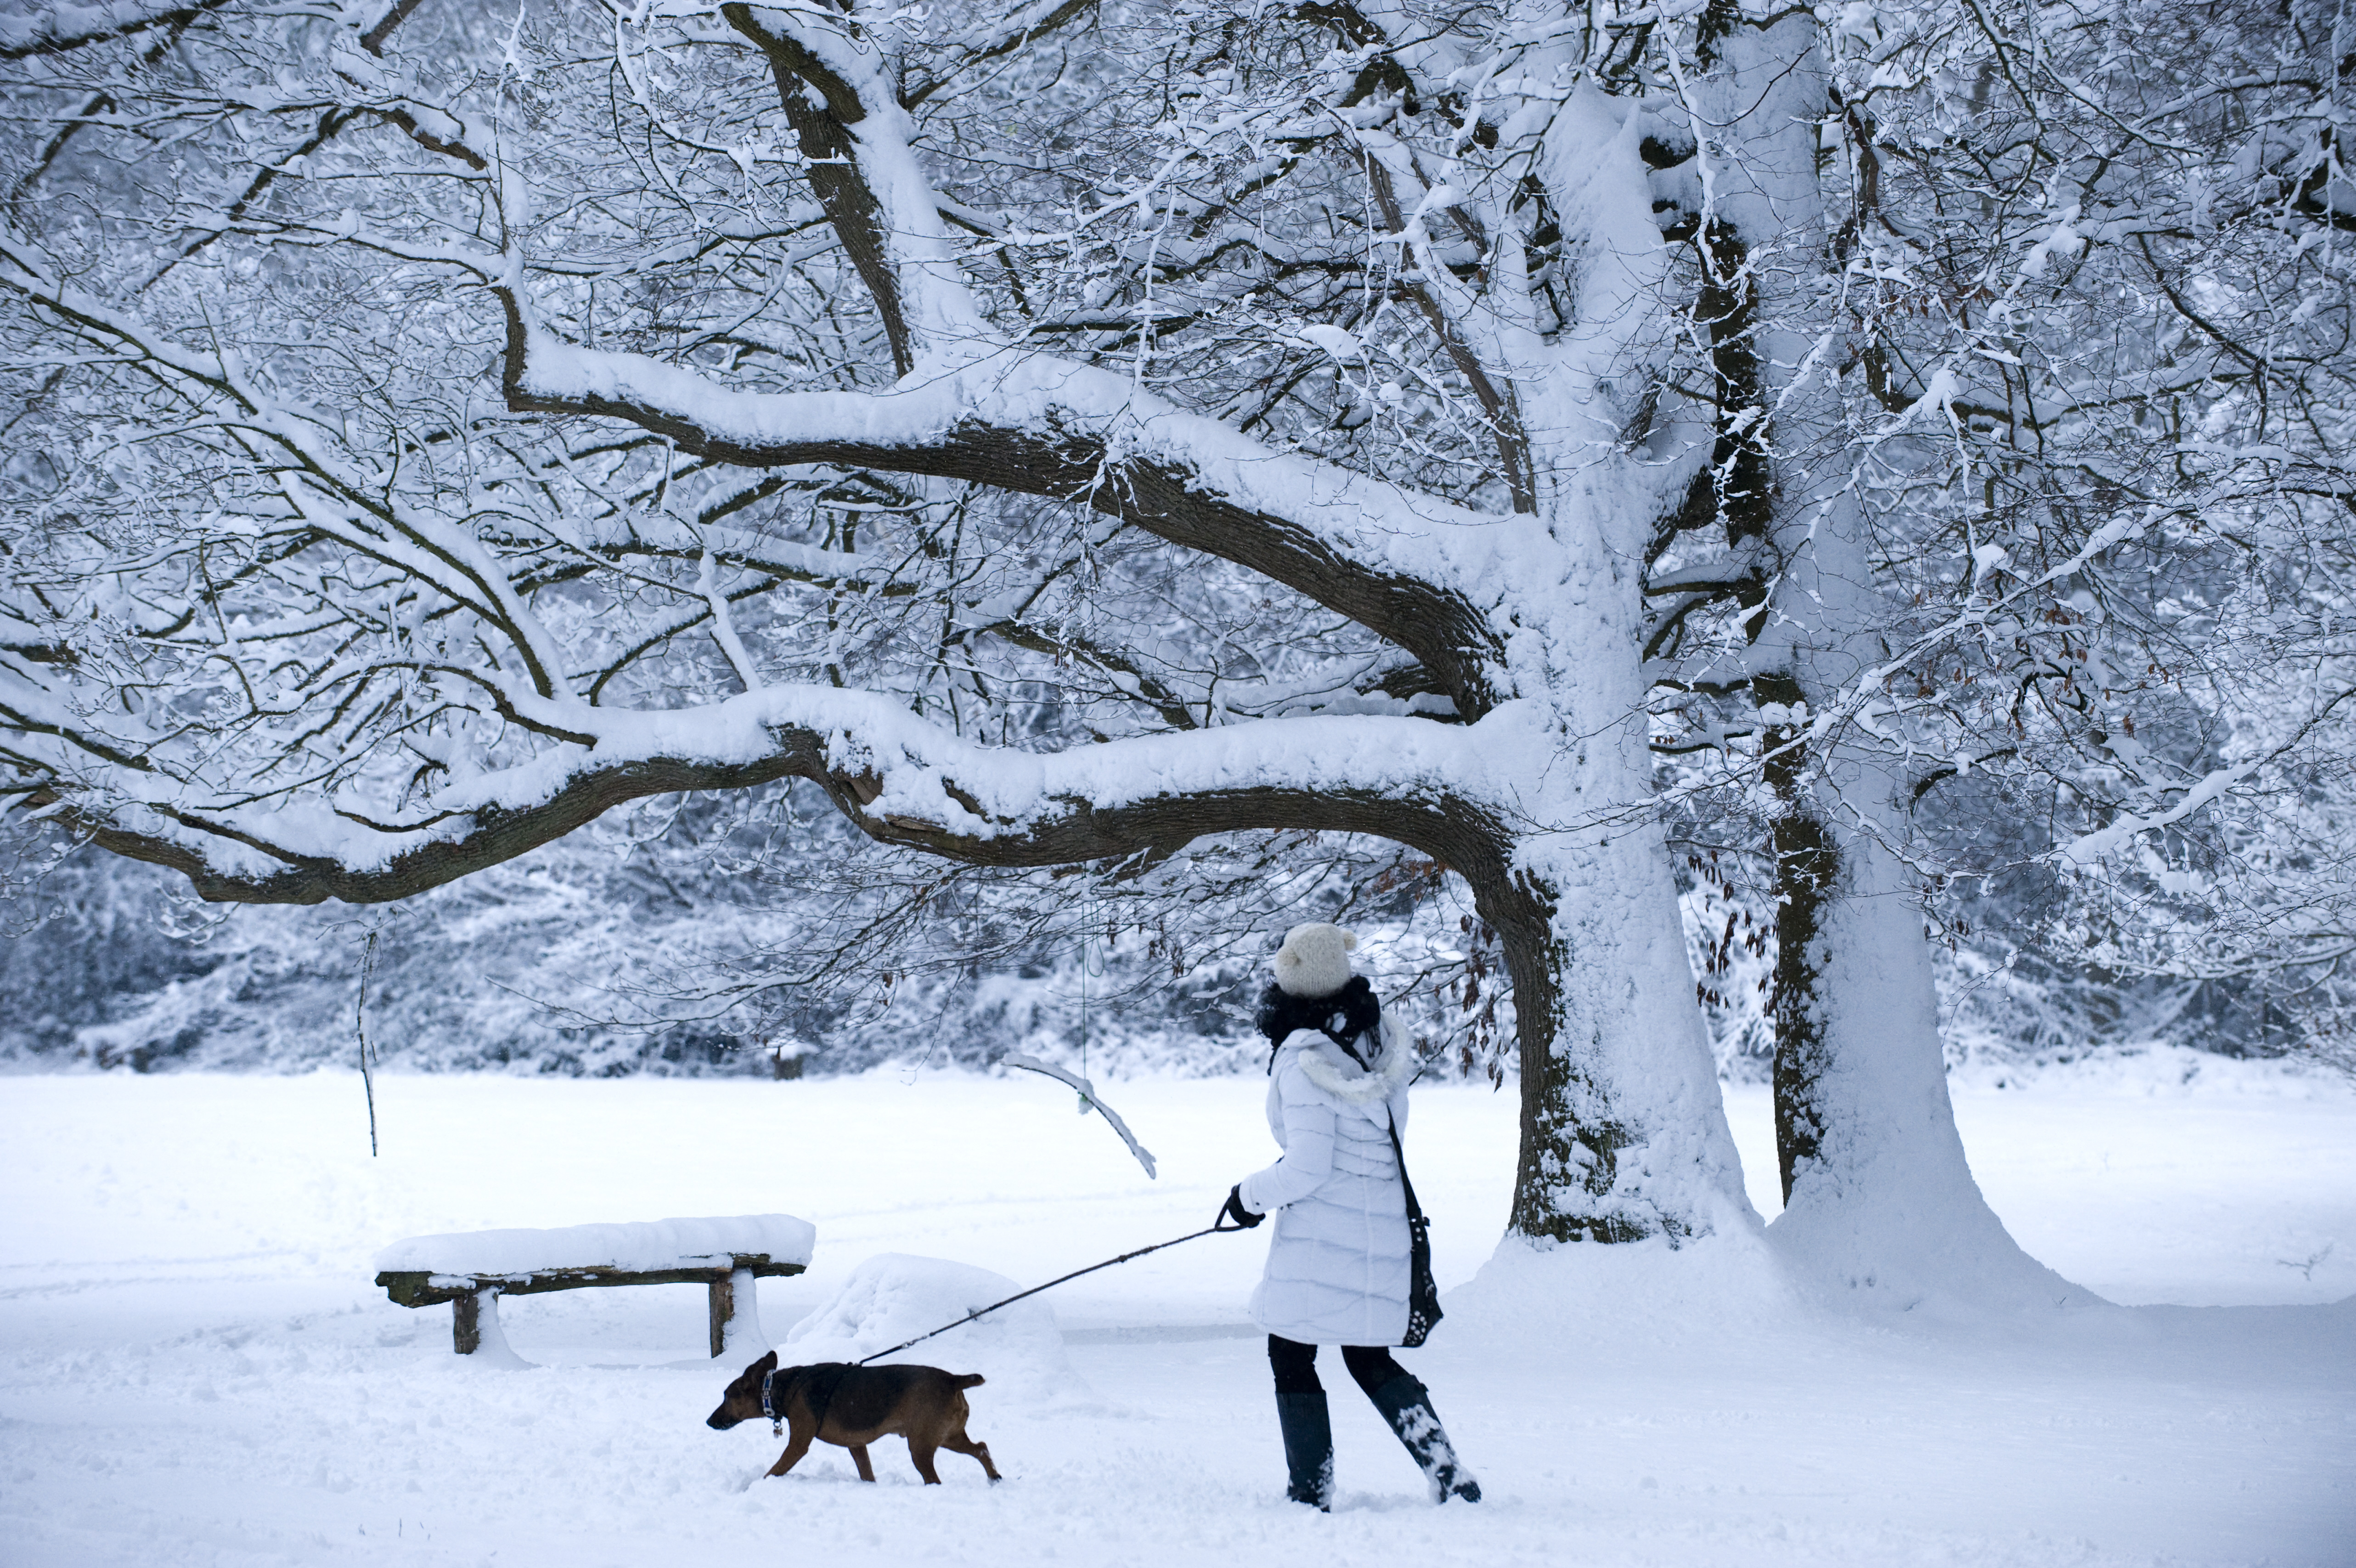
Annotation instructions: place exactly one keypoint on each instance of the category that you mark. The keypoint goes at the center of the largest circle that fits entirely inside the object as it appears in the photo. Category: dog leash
(1215, 1227)
(776, 1418)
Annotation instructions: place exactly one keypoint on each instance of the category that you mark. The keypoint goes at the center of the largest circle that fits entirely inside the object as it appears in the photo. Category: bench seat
(471, 1269)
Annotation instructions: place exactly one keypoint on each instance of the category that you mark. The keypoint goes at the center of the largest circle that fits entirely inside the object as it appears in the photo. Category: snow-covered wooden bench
(471, 1269)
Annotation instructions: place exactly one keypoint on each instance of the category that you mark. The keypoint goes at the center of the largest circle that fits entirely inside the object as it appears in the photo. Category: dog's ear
(766, 1363)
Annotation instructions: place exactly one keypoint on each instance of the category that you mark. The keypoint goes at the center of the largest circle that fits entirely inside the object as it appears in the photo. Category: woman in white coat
(1338, 1266)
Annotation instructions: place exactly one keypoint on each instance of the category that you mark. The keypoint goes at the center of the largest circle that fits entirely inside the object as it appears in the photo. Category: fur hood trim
(1324, 1065)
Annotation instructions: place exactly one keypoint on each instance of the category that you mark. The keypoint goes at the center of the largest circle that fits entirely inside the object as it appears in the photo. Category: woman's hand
(1235, 1210)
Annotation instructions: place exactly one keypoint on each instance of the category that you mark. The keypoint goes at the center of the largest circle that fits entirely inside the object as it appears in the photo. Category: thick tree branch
(901, 780)
(1498, 403)
(1359, 547)
(821, 106)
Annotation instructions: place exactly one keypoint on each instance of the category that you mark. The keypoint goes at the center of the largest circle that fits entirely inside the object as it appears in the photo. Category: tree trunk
(1878, 1194)
(1624, 1129)
(1623, 1132)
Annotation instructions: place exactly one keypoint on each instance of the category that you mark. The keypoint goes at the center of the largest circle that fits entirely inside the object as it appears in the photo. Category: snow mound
(1635, 1296)
(2162, 1071)
(1894, 1251)
(894, 1297)
(641, 1247)
(493, 1353)
(1630, 1293)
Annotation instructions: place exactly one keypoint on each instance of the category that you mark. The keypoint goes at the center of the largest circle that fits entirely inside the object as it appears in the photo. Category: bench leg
(468, 1314)
(735, 1314)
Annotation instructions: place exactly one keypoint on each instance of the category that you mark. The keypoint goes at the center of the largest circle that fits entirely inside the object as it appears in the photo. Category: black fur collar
(1343, 1015)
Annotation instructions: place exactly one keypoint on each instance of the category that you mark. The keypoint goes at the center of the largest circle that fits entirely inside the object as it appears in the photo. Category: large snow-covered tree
(1064, 434)
(2050, 376)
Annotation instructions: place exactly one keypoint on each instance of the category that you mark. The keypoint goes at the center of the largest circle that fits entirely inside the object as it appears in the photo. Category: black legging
(1295, 1366)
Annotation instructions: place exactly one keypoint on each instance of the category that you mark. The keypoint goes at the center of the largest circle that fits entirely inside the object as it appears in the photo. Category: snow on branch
(50, 29)
(1402, 564)
(841, 98)
(2087, 848)
(998, 36)
(1089, 1097)
(900, 779)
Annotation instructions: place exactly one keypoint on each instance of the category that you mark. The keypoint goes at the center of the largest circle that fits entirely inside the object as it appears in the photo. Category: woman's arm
(1307, 1148)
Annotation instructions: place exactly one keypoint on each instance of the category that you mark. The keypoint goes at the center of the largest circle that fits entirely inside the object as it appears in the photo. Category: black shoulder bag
(1422, 1290)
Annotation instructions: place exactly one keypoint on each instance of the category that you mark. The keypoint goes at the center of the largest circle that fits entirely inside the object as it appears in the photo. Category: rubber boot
(1308, 1449)
(1406, 1405)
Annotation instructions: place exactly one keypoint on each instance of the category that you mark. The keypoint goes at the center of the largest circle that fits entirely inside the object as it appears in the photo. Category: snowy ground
(195, 1369)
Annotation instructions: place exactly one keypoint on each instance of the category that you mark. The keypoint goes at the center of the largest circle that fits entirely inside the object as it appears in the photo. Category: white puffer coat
(1337, 1264)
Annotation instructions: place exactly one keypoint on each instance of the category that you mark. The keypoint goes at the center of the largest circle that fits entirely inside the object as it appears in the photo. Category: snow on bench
(471, 1269)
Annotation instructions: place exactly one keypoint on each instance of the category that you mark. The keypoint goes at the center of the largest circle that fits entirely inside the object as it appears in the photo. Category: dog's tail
(968, 1380)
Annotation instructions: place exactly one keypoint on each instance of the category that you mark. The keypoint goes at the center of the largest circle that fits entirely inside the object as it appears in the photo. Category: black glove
(1235, 1210)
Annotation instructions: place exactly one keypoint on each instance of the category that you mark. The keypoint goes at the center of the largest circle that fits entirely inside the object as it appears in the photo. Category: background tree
(2019, 429)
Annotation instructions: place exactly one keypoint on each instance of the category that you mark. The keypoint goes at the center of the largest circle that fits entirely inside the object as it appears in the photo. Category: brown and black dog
(853, 1406)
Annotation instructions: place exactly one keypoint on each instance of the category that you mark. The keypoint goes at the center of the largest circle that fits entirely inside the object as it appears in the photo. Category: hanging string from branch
(359, 1027)
(1088, 929)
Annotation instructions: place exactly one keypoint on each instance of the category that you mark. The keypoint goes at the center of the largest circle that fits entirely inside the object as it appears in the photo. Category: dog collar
(777, 1423)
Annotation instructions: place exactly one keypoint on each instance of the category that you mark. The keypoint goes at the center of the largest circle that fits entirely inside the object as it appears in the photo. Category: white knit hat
(1315, 961)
